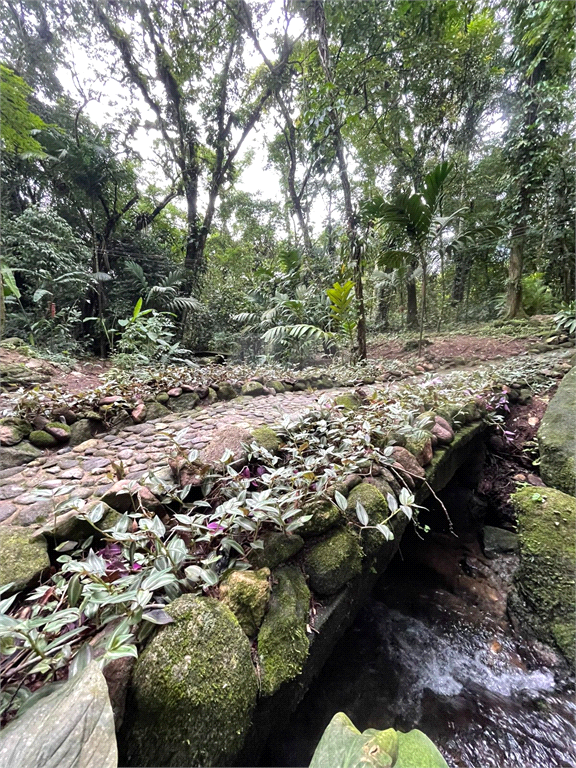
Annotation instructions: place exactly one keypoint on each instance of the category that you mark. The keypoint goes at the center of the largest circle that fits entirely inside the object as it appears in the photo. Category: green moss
(162, 397)
(42, 439)
(349, 401)
(17, 428)
(545, 577)
(277, 386)
(267, 438)
(194, 688)
(226, 391)
(23, 557)
(377, 508)
(278, 547)
(557, 437)
(156, 411)
(333, 562)
(325, 515)
(246, 593)
(253, 389)
(282, 640)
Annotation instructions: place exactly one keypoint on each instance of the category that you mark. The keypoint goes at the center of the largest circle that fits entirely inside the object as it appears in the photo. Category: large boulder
(81, 431)
(545, 577)
(186, 402)
(72, 727)
(16, 455)
(282, 641)
(23, 558)
(557, 437)
(278, 547)
(193, 690)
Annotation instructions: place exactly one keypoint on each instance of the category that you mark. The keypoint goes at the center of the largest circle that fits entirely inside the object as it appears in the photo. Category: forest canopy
(278, 178)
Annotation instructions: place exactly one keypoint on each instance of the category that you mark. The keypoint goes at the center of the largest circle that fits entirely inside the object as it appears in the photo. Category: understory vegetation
(421, 152)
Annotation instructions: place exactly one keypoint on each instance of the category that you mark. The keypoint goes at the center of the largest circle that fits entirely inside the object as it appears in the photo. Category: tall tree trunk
(411, 299)
(355, 248)
(514, 284)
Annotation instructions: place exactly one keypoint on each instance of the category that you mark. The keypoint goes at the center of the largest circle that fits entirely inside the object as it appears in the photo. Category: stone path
(28, 493)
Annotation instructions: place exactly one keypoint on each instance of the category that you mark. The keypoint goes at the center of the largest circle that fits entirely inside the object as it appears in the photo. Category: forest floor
(447, 349)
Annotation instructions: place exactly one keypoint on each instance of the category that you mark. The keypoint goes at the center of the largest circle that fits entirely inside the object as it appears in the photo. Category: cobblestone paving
(85, 468)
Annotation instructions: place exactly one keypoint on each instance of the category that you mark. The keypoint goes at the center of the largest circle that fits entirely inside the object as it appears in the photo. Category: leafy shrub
(565, 319)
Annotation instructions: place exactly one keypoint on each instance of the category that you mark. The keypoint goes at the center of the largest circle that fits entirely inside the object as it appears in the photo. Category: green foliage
(565, 319)
(537, 297)
(18, 125)
(343, 746)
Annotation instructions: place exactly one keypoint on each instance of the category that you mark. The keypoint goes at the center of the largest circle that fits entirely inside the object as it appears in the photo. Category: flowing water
(422, 657)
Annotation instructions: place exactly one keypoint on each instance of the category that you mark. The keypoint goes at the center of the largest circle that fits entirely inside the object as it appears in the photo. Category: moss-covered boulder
(349, 401)
(557, 437)
(186, 402)
(192, 690)
(545, 577)
(226, 391)
(333, 562)
(22, 559)
(278, 547)
(156, 410)
(282, 640)
(16, 455)
(81, 431)
(246, 593)
(77, 525)
(277, 386)
(162, 397)
(13, 430)
(267, 438)
(42, 439)
(253, 389)
(325, 515)
(421, 448)
(376, 507)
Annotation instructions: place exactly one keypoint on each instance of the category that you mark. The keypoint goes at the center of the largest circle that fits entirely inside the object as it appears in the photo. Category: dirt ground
(81, 376)
(444, 348)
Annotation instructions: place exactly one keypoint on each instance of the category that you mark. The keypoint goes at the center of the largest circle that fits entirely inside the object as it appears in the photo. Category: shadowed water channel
(419, 656)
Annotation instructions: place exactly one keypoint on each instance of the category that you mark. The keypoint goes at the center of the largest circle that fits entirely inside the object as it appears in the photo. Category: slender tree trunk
(355, 249)
(514, 285)
(411, 299)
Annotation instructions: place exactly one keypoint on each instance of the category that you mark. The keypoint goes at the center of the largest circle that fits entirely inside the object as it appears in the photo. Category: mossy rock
(162, 397)
(246, 593)
(16, 455)
(226, 391)
(42, 439)
(80, 431)
(267, 438)
(193, 689)
(212, 396)
(325, 515)
(333, 562)
(420, 447)
(277, 386)
(186, 402)
(545, 577)
(156, 411)
(94, 416)
(13, 430)
(349, 401)
(253, 389)
(282, 640)
(23, 558)
(376, 507)
(557, 437)
(278, 547)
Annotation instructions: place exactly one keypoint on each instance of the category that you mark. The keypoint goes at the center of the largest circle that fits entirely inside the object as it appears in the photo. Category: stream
(438, 653)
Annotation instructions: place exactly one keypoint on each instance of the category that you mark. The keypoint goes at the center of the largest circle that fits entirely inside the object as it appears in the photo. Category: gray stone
(155, 411)
(16, 455)
(186, 402)
(253, 389)
(498, 541)
(80, 431)
(72, 727)
(36, 513)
